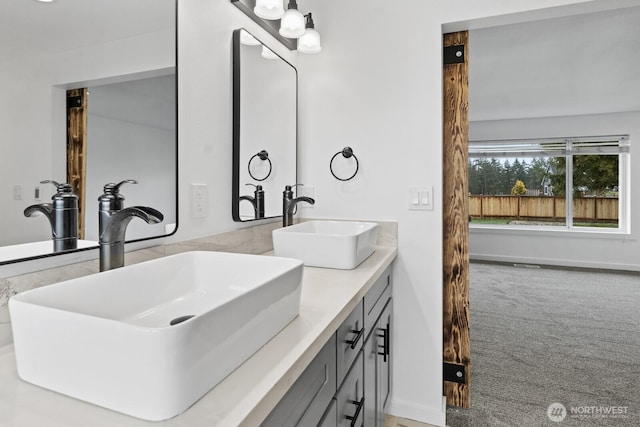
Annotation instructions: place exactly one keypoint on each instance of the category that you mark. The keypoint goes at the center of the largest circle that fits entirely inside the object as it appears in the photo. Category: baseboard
(555, 262)
(425, 414)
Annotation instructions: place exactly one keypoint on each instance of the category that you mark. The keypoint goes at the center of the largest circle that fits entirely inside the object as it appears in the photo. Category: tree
(485, 176)
(593, 174)
(519, 189)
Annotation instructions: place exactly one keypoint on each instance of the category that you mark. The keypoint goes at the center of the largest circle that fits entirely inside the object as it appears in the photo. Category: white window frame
(567, 147)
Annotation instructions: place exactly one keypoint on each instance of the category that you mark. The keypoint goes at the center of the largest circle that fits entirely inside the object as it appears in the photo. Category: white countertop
(247, 395)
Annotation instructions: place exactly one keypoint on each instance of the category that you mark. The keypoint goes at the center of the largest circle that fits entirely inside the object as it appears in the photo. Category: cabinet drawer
(350, 397)
(307, 399)
(331, 416)
(350, 337)
(376, 299)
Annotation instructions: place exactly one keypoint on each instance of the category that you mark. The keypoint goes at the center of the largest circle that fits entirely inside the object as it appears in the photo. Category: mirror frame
(235, 179)
(177, 212)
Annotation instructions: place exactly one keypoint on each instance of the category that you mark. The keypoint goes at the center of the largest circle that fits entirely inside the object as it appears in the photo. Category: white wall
(571, 76)
(377, 87)
(575, 65)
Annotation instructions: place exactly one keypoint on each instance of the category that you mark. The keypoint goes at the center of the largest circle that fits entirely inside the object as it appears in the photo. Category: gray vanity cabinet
(383, 364)
(347, 384)
(331, 416)
(310, 395)
(377, 371)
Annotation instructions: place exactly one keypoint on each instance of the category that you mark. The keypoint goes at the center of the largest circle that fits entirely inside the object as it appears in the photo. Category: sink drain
(181, 319)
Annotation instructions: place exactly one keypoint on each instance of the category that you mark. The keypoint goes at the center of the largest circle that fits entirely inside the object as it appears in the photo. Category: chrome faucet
(62, 215)
(113, 219)
(289, 204)
(257, 201)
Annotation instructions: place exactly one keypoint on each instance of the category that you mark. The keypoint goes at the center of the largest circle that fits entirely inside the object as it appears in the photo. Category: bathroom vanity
(339, 344)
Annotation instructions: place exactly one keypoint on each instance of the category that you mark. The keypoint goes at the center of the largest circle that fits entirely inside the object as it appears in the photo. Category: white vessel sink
(107, 338)
(331, 244)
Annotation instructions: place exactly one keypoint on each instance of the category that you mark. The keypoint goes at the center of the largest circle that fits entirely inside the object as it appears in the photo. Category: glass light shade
(248, 40)
(269, 9)
(268, 53)
(309, 42)
(292, 24)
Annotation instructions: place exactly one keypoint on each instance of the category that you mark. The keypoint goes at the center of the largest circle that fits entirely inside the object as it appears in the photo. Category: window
(574, 183)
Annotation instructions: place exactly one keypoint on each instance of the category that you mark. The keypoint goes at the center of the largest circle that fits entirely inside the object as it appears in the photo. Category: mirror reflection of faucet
(113, 219)
(62, 215)
(257, 201)
(289, 204)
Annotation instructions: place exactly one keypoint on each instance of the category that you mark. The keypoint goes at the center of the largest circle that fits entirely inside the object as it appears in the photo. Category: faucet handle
(50, 181)
(112, 188)
(61, 187)
(258, 187)
(289, 187)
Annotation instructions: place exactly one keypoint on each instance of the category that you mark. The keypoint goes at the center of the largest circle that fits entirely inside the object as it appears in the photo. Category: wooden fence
(543, 208)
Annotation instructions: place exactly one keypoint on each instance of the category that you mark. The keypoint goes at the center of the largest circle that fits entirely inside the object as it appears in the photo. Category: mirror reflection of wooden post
(77, 149)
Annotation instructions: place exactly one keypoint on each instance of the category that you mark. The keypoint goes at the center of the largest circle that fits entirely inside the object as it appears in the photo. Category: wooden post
(456, 348)
(77, 149)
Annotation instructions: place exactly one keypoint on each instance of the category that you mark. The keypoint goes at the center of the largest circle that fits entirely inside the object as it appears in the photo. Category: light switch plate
(420, 198)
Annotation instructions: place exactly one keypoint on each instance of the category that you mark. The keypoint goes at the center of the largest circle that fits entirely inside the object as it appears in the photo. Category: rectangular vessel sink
(108, 339)
(330, 244)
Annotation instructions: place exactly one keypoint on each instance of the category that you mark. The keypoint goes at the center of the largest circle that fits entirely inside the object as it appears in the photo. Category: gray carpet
(541, 336)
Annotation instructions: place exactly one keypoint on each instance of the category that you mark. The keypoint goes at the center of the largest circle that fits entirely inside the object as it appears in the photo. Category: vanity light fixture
(269, 9)
(248, 40)
(310, 40)
(268, 53)
(44, 1)
(292, 23)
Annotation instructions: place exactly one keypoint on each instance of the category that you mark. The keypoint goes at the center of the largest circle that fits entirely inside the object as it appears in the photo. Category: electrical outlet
(199, 201)
(17, 192)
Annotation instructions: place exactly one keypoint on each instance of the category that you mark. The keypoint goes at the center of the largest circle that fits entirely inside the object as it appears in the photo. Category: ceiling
(30, 28)
(582, 64)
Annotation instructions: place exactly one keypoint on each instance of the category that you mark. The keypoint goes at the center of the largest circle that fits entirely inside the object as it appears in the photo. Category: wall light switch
(421, 198)
(426, 198)
(414, 199)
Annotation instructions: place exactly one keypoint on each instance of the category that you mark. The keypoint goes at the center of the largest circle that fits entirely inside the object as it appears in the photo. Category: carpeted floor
(541, 336)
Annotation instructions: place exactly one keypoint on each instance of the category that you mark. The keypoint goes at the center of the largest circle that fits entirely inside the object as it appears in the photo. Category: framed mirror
(265, 109)
(120, 58)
